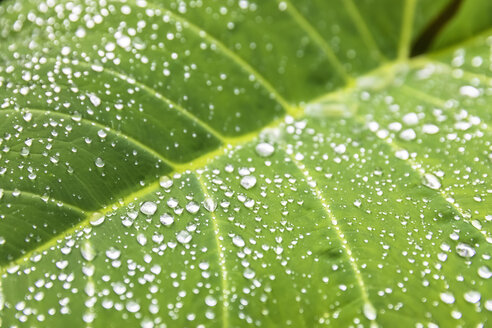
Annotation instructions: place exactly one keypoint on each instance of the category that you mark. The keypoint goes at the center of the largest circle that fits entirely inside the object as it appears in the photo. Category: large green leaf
(240, 163)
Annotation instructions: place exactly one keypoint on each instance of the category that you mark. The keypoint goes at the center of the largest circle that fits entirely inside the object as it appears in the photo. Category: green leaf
(239, 163)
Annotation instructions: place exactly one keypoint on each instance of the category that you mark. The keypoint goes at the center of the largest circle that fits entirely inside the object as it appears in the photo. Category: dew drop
(148, 208)
(472, 296)
(132, 306)
(192, 207)
(210, 300)
(165, 182)
(369, 311)
(183, 237)
(484, 272)
(447, 298)
(264, 149)
(249, 273)
(97, 219)
(469, 91)
(87, 250)
(209, 204)
(99, 162)
(431, 181)
(167, 219)
(113, 253)
(465, 250)
(238, 241)
(248, 182)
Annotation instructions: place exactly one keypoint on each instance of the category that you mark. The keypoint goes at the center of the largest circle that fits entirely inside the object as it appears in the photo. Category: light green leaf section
(240, 163)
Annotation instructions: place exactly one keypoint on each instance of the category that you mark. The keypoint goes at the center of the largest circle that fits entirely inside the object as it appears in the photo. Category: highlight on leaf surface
(187, 163)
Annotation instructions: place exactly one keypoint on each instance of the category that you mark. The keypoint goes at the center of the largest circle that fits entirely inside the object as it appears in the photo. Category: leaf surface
(220, 163)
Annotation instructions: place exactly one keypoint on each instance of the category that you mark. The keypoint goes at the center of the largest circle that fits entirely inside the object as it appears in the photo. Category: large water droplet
(167, 219)
(87, 251)
(465, 250)
(369, 311)
(148, 208)
(183, 237)
(264, 149)
(431, 181)
(248, 182)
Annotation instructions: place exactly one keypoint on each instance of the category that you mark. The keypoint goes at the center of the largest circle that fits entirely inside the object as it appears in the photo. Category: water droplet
(238, 241)
(87, 250)
(472, 296)
(369, 311)
(264, 149)
(430, 129)
(469, 91)
(97, 219)
(248, 182)
(249, 273)
(132, 306)
(210, 300)
(148, 208)
(410, 119)
(141, 239)
(165, 182)
(431, 181)
(465, 250)
(167, 219)
(95, 100)
(408, 135)
(99, 162)
(209, 204)
(402, 154)
(447, 298)
(183, 237)
(192, 207)
(113, 253)
(484, 272)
